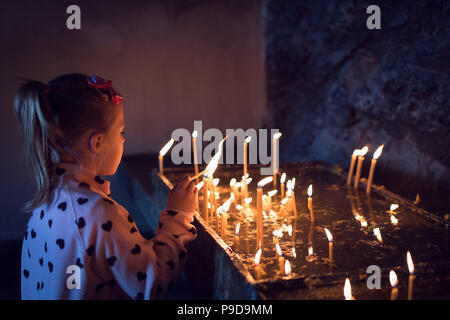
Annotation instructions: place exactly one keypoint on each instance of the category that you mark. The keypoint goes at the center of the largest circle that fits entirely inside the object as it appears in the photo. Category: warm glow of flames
(258, 256)
(248, 139)
(226, 205)
(292, 183)
(199, 185)
(278, 233)
(293, 252)
(248, 181)
(363, 151)
(287, 268)
(239, 207)
(394, 220)
(216, 181)
(329, 236)
(237, 228)
(410, 263)
(377, 153)
(212, 165)
(248, 200)
(393, 278)
(288, 185)
(232, 182)
(310, 190)
(347, 290)
(277, 135)
(289, 230)
(194, 134)
(377, 233)
(283, 178)
(238, 184)
(284, 201)
(264, 181)
(280, 253)
(310, 250)
(393, 207)
(272, 193)
(363, 222)
(356, 152)
(166, 147)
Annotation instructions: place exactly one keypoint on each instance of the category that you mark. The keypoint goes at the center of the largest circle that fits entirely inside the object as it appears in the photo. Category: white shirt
(86, 229)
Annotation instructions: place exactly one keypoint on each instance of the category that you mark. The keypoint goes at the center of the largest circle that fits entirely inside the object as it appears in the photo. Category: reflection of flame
(293, 252)
(394, 220)
(283, 178)
(280, 253)
(237, 228)
(199, 185)
(212, 165)
(264, 181)
(410, 263)
(363, 151)
(310, 190)
(393, 207)
(347, 290)
(272, 193)
(310, 250)
(393, 278)
(277, 135)
(329, 236)
(216, 181)
(248, 139)
(232, 182)
(194, 134)
(248, 200)
(287, 268)
(377, 153)
(166, 147)
(258, 256)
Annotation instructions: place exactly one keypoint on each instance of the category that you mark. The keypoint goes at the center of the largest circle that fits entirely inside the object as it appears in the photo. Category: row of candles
(209, 183)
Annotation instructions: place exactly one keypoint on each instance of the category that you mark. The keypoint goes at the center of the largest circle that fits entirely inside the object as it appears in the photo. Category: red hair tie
(100, 83)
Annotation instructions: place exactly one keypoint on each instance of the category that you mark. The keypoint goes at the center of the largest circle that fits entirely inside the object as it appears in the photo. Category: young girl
(80, 243)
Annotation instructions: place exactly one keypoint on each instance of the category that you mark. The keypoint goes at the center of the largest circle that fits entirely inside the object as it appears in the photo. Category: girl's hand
(183, 196)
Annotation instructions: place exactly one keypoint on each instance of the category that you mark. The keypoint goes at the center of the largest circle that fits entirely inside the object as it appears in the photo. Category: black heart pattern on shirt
(29, 254)
(90, 250)
(60, 171)
(84, 185)
(111, 260)
(130, 219)
(99, 287)
(172, 213)
(62, 206)
(107, 200)
(26, 273)
(99, 180)
(50, 223)
(38, 285)
(136, 249)
(78, 263)
(80, 223)
(139, 296)
(41, 261)
(192, 230)
(60, 243)
(182, 254)
(33, 233)
(171, 264)
(107, 226)
(176, 236)
(82, 201)
(45, 247)
(133, 230)
(50, 266)
(42, 214)
(141, 276)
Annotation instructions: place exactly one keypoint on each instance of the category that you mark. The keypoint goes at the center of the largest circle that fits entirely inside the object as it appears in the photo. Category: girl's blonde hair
(52, 117)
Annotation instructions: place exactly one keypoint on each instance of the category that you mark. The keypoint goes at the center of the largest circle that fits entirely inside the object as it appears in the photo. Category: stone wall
(333, 85)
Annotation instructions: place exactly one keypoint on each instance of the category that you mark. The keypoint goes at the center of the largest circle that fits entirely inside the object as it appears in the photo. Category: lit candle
(280, 257)
(246, 142)
(194, 147)
(310, 205)
(376, 155)
(392, 208)
(394, 220)
(236, 235)
(283, 207)
(162, 153)
(348, 290)
(394, 284)
(352, 166)
(245, 184)
(330, 245)
(233, 188)
(213, 190)
(412, 275)
(294, 205)
(377, 233)
(276, 136)
(361, 155)
(258, 270)
(287, 268)
(270, 194)
(224, 216)
(259, 209)
(205, 197)
(289, 195)
(283, 178)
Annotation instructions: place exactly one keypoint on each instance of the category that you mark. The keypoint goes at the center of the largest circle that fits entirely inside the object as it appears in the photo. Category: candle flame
(248, 181)
(356, 152)
(248, 200)
(239, 207)
(310, 250)
(287, 268)
(394, 220)
(278, 233)
(283, 178)
(289, 230)
(284, 201)
(393, 207)
(166, 147)
(280, 253)
(329, 236)
(264, 181)
(310, 190)
(194, 134)
(199, 185)
(238, 184)
(363, 222)
(226, 205)
(377, 153)
(363, 151)
(237, 228)
(216, 181)
(232, 182)
(293, 252)
(212, 165)
(393, 278)
(377, 233)
(248, 139)
(410, 263)
(277, 135)
(258, 256)
(347, 290)
(288, 185)
(272, 193)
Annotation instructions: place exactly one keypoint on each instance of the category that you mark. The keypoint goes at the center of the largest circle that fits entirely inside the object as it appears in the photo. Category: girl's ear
(96, 143)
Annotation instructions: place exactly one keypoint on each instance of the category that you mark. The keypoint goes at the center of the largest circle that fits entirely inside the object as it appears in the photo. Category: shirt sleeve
(144, 269)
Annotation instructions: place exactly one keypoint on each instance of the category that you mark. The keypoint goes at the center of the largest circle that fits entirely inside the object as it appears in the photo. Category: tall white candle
(376, 155)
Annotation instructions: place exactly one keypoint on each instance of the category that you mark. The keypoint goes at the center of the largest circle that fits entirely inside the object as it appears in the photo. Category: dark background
(309, 68)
